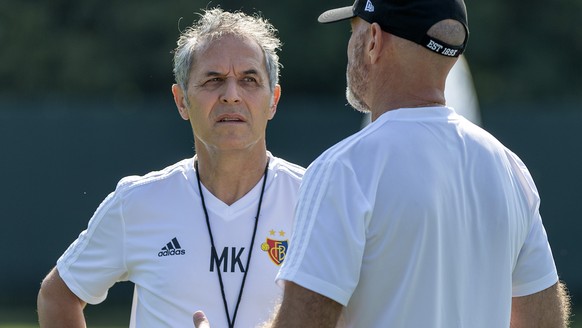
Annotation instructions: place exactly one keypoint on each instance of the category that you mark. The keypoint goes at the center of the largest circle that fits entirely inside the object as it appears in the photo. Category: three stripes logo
(172, 248)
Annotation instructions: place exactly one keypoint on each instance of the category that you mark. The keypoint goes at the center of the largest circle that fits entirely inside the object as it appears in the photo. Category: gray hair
(216, 23)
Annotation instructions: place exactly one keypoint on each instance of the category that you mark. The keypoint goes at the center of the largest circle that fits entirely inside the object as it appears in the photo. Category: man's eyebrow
(214, 73)
(250, 71)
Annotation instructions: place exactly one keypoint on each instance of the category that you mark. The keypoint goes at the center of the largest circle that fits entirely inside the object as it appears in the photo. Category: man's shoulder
(281, 166)
(350, 148)
(155, 177)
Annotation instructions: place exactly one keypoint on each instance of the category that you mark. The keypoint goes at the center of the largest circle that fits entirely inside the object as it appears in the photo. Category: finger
(200, 320)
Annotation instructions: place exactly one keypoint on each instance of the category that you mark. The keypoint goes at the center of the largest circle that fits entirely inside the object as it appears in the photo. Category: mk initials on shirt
(223, 259)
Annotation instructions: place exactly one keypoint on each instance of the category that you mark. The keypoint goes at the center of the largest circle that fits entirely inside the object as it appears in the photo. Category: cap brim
(336, 15)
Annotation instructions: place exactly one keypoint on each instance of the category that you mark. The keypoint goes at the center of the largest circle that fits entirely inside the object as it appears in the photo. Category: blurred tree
(526, 52)
(518, 52)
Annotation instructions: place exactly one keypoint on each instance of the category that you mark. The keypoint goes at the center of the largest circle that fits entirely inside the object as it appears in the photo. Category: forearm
(304, 308)
(547, 308)
(57, 306)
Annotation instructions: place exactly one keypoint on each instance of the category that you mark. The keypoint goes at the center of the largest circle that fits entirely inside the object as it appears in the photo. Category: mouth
(230, 118)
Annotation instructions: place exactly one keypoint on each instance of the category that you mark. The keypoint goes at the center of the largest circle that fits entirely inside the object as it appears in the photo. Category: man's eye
(249, 79)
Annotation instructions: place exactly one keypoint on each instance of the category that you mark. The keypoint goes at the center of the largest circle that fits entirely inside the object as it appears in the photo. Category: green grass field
(119, 318)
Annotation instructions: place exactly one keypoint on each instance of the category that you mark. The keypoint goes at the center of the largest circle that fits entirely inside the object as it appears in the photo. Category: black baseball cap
(408, 19)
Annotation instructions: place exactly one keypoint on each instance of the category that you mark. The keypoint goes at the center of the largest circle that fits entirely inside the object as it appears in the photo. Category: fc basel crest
(277, 249)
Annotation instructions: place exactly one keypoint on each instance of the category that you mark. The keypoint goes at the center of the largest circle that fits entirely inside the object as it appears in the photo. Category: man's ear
(180, 100)
(375, 42)
(275, 101)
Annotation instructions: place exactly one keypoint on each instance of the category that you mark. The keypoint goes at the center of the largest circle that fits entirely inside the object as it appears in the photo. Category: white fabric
(422, 219)
(125, 240)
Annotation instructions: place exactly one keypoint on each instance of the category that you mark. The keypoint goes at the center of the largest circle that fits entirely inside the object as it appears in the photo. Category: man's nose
(230, 92)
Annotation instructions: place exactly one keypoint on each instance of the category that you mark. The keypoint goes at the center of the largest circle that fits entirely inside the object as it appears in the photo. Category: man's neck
(231, 176)
(431, 98)
(418, 85)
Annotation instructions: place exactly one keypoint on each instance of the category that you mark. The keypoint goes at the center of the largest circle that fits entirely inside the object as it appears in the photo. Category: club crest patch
(276, 249)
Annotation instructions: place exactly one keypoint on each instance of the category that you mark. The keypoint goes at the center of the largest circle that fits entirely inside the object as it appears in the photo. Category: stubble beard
(356, 76)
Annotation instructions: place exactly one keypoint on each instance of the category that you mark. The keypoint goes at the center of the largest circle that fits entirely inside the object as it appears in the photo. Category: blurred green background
(520, 52)
(85, 100)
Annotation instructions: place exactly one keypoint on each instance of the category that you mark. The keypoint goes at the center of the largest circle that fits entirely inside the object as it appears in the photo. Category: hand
(200, 320)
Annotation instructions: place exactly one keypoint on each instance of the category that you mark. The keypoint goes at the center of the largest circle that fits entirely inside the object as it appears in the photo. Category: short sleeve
(95, 261)
(329, 235)
(535, 269)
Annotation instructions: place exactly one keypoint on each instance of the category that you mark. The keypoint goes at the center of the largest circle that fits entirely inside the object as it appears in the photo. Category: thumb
(200, 320)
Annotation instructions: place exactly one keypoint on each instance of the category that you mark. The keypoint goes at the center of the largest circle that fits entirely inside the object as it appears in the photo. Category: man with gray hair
(185, 235)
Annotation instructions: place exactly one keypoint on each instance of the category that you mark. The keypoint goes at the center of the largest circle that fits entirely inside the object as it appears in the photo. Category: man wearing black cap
(422, 219)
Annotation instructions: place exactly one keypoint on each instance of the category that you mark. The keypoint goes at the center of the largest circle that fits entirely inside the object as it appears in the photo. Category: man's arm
(547, 308)
(57, 306)
(302, 307)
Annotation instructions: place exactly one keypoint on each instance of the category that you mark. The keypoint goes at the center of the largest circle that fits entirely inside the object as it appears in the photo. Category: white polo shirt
(422, 219)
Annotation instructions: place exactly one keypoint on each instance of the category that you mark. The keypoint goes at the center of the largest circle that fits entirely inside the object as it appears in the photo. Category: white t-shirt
(152, 231)
(422, 219)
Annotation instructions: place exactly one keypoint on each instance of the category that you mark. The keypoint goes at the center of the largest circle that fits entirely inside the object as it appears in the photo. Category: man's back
(436, 211)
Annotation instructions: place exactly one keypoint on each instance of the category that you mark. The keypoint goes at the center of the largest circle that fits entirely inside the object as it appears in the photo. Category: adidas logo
(172, 248)
(369, 7)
